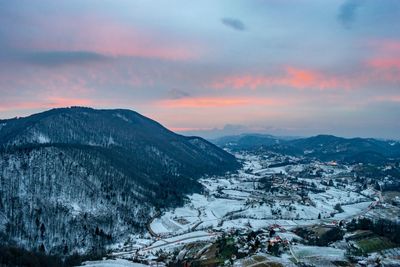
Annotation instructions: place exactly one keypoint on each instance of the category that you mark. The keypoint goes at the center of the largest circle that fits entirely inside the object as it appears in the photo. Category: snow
(236, 202)
(318, 256)
(272, 170)
(122, 117)
(353, 209)
(164, 225)
(41, 138)
(369, 192)
(171, 244)
(112, 263)
(75, 208)
(111, 141)
(268, 259)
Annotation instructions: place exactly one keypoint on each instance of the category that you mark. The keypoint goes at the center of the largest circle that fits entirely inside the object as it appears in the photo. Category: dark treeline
(382, 227)
(16, 256)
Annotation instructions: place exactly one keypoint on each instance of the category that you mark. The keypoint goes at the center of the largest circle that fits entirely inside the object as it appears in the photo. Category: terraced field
(374, 244)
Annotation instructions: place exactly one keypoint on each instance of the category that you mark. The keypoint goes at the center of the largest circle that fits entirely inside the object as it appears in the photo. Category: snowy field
(318, 256)
(112, 263)
(235, 202)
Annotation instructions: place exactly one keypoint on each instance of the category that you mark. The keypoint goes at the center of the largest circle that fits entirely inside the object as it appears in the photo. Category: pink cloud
(384, 63)
(108, 37)
(292, 77)
(377, 69)
(384, 69)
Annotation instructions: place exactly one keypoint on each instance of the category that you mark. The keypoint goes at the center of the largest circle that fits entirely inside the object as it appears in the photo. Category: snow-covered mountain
(74, 179)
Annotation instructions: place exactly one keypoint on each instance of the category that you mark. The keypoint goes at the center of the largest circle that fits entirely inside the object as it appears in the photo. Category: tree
(42, 230)
(271, 232)
(65, 250)
(42, 249)
(338, 207)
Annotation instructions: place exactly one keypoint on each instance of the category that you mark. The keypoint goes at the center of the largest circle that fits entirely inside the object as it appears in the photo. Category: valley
(257, 207)
(114, 188)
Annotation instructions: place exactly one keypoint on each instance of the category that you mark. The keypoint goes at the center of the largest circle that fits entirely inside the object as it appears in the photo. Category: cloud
(347, 12)
(387, 98)
(81, 35)
(49, 102)
(177, 94)
(233, 23)
(385, 63)
(228, 129)
(377, 70)
(292, 77)
(208, 102)
(56, 58)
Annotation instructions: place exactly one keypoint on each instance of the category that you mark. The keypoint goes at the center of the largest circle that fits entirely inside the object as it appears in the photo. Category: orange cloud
(293, 77)
(385, 63)
(206, 102)
(299, 78)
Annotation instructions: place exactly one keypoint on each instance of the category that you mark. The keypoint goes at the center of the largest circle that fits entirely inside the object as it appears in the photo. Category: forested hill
(76, 178)
(322, 147)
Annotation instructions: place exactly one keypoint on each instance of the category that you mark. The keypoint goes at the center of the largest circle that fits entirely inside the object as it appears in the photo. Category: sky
(209, 68)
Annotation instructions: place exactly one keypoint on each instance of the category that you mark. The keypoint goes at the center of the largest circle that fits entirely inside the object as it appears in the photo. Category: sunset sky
(284, 67)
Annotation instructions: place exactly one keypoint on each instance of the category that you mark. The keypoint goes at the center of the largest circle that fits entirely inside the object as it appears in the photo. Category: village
(294, 214)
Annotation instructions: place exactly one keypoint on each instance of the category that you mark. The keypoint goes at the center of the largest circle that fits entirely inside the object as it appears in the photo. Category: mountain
(74, 179)
(246, 141)
(322, 147)
(329, 147)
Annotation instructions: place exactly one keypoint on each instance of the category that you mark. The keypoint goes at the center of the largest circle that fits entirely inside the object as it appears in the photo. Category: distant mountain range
(323, 147)
(73, 179)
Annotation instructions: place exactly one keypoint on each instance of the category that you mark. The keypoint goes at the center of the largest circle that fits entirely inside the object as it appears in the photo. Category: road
(148, 224)
(179, 240)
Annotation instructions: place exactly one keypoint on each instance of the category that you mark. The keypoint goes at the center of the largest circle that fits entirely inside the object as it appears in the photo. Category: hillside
(323, 147)
(328, 147)
(246, 141)
(74, 179)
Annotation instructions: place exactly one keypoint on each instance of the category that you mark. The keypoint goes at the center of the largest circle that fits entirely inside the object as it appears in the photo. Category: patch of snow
(112, 263)
(309, 251)
(76, 209)
(41, 138)
(111, 141)
(122, 117)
